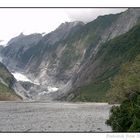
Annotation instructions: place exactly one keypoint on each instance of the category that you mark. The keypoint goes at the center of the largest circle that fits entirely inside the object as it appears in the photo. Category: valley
(76, 61)
(63, 80)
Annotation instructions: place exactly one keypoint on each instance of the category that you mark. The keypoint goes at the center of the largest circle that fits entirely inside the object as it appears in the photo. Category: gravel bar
(53, 117)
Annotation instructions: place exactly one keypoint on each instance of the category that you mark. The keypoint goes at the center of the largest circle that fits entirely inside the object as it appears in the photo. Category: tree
(125, 89)
(126, 83)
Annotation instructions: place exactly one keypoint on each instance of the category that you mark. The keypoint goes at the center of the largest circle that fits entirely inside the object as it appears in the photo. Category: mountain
(106, 64)
(115, 25)
(6, 85)
(91, 82)
(36, 58)
(76, 57)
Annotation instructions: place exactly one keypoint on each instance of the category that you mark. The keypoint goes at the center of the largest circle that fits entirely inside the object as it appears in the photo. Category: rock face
(64, 57)
(40, 58)
(13, 53)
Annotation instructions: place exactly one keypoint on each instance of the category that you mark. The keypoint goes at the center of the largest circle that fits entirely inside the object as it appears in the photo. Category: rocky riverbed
(53, 117)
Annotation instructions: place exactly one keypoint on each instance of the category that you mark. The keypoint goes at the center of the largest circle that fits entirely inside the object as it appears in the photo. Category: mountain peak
(21, 34)
(70, 24)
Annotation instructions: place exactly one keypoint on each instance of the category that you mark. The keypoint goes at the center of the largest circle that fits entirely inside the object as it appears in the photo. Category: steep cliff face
(66, 57)
(52, 57)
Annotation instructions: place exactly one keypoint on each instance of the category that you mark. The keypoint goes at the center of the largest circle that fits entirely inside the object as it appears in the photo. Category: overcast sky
(15, 21)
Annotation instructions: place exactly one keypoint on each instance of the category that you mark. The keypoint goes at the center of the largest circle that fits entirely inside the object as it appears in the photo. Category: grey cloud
(89, 14)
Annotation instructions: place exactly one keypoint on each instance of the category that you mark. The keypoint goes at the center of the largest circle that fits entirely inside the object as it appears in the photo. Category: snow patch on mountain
(21, 77)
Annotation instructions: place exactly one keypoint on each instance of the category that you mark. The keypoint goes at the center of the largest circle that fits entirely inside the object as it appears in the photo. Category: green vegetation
(122, 48)
(8, 94)
(126, 82)
(117, 51)
(6, 82)
(125, 89)
(93, 92)
(6, 75)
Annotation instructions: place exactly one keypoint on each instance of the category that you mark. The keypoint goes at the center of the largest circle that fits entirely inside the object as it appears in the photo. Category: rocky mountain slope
(106, 64)
(71, 56)
(16, 47)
